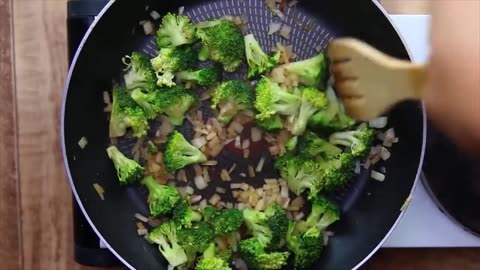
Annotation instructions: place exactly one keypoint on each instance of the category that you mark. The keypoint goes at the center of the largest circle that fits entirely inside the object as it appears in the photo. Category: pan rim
(92, 225)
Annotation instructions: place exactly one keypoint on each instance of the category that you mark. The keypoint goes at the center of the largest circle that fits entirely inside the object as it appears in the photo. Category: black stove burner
(453, 180)
(81, 14)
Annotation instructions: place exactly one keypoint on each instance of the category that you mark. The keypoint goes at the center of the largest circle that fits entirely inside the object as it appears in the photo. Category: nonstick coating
(370, 208)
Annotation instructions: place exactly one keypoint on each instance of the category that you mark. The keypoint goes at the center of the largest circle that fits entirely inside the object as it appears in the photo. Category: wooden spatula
(370, 82)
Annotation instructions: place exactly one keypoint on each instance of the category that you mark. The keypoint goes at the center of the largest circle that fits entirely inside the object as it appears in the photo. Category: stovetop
(423, 223)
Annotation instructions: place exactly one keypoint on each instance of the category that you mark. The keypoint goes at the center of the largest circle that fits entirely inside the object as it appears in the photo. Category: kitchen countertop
(35, 199)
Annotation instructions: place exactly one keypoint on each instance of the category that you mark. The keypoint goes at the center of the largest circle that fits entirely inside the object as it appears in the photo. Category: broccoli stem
(204, 53)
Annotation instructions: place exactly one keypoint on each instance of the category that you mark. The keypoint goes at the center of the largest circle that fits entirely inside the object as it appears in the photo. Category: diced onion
(210, 163)
(260, 164)
(238, 143)
(200, 182)
(384, 153)
(203, 203)
(196, 198)
(170, 267)
(220, 190)
(142, 232)
(106, 98)
(274, 27)
(357, 168)
(199, 142)
(243, 174)
(181, 10)
(206, 175)
(379, 122)
(246, 144)
(225, 176)
(292, 3)
(141, 217)
(256, 134)
(299, 216)
(237, 127)
(100, 191)
(284, 191)
(155, 15)
(377, 176)
(82, 142)
(246, 153)
(234, 166)
(235, 186)
(251, 171)
(198, 170)
(285, 31)
(214, 199)
(189, 190)
(148, 28)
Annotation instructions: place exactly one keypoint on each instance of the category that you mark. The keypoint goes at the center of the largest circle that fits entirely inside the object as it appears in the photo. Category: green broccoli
(211, 261)
(140, 73)
(301, 173)
(256, 222)
(197, 237)
(165, 79)
(291, 145)
(232, 97)
(333, 117)
(359, 140)
(126, 114)
(183, 215)
(337, 172)
(306, 245)
(175, 30)
(273, 123)
(253, 253)
(161, 198)
(312, 102)
(324, 213)
(271, 99)
(175, 103)
(152, 148)
(310, 72)
(148, 102)
(222, 42)
(180, 153)
(174, 59)
(204, 77)
(258, 61)
(165, 236)
(312, 146)
(224, 221)
(277, 221)
(128, 170)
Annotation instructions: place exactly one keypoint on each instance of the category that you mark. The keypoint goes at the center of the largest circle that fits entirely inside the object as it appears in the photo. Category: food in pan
(279, 107)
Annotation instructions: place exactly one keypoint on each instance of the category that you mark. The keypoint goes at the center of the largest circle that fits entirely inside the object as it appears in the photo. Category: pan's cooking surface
(372, 208)
(307, 37)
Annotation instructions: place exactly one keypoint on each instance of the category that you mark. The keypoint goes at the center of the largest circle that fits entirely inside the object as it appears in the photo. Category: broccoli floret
(180, 153)
(277, 221)
(312, 146)
(292, 143)
(183, 215)
(211, 261)
(126, 114)
(128, 170)
(333, 117)
(174, 59)
(301, 174)
(324, 213)
(148, 102)
(271, 99)
(165, 79)
(359, 140)
(224, 221)
(161, 198)
(165, 236)
(256, 222)
(232, 97)
(337, 172)
(204, 77)
(175, 30)
(258, 61)
(312, 102)
(139, 72)
(306, 246)
(311, 72)
(253, 253)
(222, 42)
(197, 237)
(175, 103)
(273, 123)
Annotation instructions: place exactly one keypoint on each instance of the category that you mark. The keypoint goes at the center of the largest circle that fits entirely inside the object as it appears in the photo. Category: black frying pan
(370, 209)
